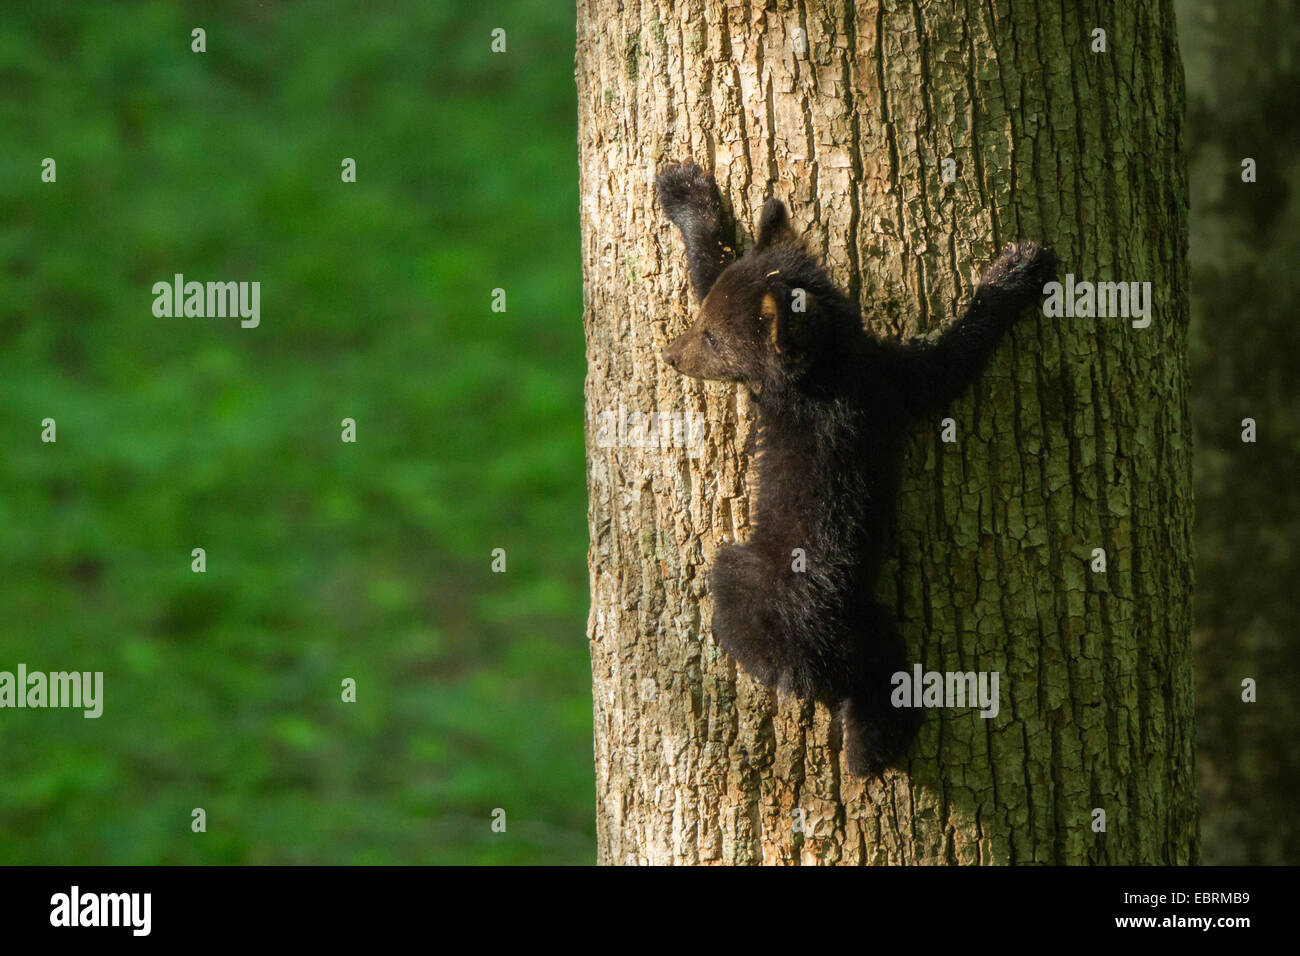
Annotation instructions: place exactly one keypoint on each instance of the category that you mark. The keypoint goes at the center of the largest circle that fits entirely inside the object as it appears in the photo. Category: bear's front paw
(1022, 267)
(685, 190)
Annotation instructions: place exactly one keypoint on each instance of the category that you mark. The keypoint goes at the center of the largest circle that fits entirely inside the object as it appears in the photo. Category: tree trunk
(1075, 438)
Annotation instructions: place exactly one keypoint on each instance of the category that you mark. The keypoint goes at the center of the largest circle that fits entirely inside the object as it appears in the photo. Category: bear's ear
(774, 225)
(790, 316)
(770, 312)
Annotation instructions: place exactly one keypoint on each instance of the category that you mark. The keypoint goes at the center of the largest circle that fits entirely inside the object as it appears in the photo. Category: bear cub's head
(771, 314)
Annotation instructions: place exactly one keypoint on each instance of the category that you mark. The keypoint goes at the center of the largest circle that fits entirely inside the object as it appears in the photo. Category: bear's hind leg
(744, 622)
(876, 733)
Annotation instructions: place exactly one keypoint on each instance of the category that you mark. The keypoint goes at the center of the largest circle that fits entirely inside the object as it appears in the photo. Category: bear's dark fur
(834, 407)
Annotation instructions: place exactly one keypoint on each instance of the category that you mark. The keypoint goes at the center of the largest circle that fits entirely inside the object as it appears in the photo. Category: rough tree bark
(1075, 438)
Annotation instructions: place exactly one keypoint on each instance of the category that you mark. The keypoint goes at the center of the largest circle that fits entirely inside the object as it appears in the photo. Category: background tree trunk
(1243, 73)
(1075, 438)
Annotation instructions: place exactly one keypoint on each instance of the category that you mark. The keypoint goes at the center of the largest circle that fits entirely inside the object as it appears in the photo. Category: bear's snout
(671, 352)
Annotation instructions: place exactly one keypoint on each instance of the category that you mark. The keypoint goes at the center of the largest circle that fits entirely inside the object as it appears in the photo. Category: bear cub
(835, 405)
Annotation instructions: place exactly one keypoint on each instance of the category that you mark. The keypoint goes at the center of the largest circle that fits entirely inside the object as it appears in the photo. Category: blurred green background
(325, 560)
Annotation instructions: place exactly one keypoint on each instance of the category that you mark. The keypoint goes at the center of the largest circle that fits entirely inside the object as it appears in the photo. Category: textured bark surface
(1075, 438)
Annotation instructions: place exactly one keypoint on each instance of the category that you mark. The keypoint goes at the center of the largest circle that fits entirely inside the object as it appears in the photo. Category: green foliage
(325, 560)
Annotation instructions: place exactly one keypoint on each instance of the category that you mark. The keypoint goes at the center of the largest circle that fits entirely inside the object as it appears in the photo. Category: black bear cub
(794, 606)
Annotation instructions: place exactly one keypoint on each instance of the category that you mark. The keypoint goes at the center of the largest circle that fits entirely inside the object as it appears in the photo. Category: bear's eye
(708, 337)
